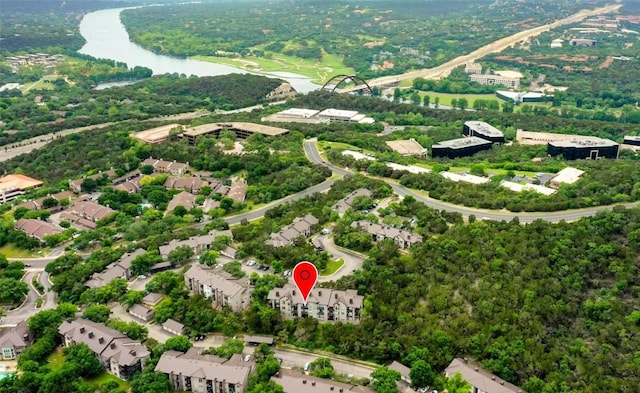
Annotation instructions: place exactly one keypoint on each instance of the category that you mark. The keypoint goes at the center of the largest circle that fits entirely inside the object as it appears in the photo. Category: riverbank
(319, 72)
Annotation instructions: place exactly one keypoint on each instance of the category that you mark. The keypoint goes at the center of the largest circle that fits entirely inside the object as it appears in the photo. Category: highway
(494, 47)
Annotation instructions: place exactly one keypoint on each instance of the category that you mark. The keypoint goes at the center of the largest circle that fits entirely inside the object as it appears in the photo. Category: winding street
(313, 154)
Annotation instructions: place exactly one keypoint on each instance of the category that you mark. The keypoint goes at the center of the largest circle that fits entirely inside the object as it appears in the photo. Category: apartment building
(120, 355)
(323, 304)
(194, 372)
(301, 226)
(404, 239)
(222, 290)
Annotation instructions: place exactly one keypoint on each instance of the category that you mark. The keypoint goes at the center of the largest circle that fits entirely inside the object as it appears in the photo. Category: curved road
(568, 215)
(496, 46)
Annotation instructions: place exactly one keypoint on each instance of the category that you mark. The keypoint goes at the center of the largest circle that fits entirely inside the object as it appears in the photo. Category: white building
(517, 187)
(464, 178)
(323, 304)
(566, 176)
(221, 290)
(344, 116)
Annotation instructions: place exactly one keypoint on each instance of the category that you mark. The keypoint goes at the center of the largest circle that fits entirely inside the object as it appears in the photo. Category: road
(497, 215)
(28, 308)
(496, 46)
(352, 261)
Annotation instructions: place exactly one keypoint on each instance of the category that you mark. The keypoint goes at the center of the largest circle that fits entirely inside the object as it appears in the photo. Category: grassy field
(11, 251)
(332, 267)
(56, 359)
(106, 377)
(445, 98)
(319, 72)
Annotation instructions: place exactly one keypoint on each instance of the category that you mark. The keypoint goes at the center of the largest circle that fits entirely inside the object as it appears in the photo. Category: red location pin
(305, 275)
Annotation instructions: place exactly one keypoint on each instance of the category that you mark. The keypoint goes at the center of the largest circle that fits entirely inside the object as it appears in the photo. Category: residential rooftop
(484, 128)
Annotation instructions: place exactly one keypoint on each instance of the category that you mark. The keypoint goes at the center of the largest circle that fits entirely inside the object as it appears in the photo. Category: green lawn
(106, 377)
(319, 72)
(332, 267)
(56, 359)
(11, 251)
(445, 98)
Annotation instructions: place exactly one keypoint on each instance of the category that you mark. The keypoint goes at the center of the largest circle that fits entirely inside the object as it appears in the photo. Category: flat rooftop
(338, 113)
(517, 187)
(409, 168)
(298, 112)
(542, 138)
(357, 155)
(484, 128)
(464, 177)
(462, 143)
(256, 128)
(409, 146)
(155, 135)
(581, 143)
(202, 129)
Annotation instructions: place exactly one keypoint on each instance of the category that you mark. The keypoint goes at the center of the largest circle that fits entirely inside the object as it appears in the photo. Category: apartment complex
(120, 355)
(119, 269)
(194, 372)
(241, 129)
(404, 239)
(482, 381)
(36, 229)
(346, 203)
(222, 290)
(14, 340)
(171, 167)
(323, 304)
(301, 226)
(297, 382)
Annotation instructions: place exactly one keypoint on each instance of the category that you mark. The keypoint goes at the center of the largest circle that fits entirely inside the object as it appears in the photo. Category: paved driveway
(352, 261)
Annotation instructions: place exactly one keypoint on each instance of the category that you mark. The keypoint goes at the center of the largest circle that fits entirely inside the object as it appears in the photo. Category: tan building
(189, 184)
(409, 147)
(12, 186)
(301, 226)
(119, 269)
(184, 198)
(566, 176)
(89, 213)
(282, 92)
(404, 239)
(198, 244)
(482, 381)
(14, 340)
(194, 372)
(171, 167)
(346, 203)
(473, 68)
(120, 355)
(157, 134)
(323, 304)
(76, 185)
(222, 290)
(142, 312)
(173, 326)
(38, 204)
(36, 229)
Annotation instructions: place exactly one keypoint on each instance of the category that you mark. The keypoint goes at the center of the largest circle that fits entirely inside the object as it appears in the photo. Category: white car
(142, 276)
(251, 262)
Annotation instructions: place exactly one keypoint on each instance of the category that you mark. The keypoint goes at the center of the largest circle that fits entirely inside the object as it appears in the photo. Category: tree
(421, 374)
(130, 298)
(426, 100)
(97, 313)
(415, 98)
(83, 360)
(321, 367)
(180, 255)
(180, 211)
(456, 384)
(454, 102)
(178, 343)
(462, 103)
(230, 347)
(262, 352)
(437, 102)
(89, 185)
(12, 291)
(150, 382)
(164, 282)
(384, 380)
(146, 169)
(265, 387)
(49, 203)
(20, 212)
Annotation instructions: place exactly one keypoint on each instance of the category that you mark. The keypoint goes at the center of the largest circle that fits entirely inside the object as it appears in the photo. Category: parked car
(287, 273)
(247, 358)
(251, 262)
(142, 276)
(326, 231)
(307, 366)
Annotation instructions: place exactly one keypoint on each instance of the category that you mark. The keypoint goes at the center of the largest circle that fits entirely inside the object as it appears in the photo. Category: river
(107, 38)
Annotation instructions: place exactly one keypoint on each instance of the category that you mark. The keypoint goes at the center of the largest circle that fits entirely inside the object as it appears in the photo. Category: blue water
(2, 375)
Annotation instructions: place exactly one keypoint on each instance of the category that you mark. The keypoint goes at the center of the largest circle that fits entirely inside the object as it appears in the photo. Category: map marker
(305, 275)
